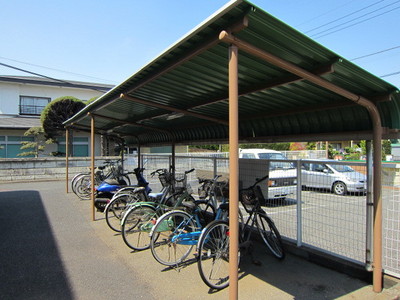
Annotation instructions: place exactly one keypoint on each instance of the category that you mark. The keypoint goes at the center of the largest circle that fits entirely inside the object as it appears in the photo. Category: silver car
(338, 178)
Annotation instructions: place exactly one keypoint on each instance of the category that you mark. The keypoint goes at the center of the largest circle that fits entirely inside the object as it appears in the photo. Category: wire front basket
(180, 182)
(165, 178)
(221, 189)
(251, 197)
(204, 188)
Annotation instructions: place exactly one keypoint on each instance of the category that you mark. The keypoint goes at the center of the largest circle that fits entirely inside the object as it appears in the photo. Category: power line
(318, 35)
(354, 12)
(375, 53)
(58, 70)
(391, 74)
(44, 76)
(323, 14)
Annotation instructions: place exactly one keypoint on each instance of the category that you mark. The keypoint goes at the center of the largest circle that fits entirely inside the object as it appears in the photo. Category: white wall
(10, 93)
(53, 147)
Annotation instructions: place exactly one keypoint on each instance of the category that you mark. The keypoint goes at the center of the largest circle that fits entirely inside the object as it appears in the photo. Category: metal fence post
(299, 206)
(215, 165)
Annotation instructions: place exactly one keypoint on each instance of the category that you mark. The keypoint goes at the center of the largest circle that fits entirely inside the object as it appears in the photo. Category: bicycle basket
(204, 189)
(251, 197)
(222, 189)
(180, 181)
(165, 178)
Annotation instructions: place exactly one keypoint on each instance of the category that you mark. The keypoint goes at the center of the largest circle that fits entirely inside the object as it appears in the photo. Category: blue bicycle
(176, 232)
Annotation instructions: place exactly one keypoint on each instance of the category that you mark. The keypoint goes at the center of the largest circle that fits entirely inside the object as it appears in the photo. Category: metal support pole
(139, 159)
(215, 166)
(299, 206)
(370, 209)
(122, 155)
(326, 149)
(92, 153)
(66, 159)
(377, 178)
(377, 136)
(233, 172)
(173, 157)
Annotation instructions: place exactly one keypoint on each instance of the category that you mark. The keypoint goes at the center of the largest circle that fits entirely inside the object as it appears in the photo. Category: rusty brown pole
(377, 276)
(92, 183)
(377, 137)
(66, 159)
(233, 172)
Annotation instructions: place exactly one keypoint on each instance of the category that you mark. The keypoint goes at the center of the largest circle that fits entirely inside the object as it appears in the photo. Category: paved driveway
(50, 249)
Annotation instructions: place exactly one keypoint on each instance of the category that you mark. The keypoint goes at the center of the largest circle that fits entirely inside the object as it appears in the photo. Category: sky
(108, 41)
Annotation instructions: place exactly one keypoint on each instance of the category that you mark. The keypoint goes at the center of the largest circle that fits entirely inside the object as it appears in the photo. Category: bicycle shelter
(244, 76)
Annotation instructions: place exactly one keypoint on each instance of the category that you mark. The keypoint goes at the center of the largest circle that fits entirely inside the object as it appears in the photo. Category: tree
(297, 146)
(91, 100)
(36, 146)
(57, 112)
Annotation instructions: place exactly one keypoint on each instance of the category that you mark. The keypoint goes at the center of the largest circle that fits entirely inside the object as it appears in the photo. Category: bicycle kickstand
(248, 247)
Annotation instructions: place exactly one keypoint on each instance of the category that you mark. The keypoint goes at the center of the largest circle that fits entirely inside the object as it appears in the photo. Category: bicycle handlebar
(258, 180)
(190, 171)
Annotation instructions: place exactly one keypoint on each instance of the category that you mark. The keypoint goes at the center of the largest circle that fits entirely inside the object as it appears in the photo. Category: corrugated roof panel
(192, 75)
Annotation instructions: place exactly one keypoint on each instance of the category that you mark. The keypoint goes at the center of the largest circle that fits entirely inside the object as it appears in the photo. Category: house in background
(22, 99)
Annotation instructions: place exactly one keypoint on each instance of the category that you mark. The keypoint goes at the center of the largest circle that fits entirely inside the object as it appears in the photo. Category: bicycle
(177, 232)
(81, 183)
(213, 245)
(126, 196)
(141, 216)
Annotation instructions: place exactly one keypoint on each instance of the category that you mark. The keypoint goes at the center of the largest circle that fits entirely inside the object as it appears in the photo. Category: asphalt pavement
(51, 249)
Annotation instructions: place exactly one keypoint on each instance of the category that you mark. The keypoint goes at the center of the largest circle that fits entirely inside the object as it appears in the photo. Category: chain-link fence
(391, 219)
(324, 206)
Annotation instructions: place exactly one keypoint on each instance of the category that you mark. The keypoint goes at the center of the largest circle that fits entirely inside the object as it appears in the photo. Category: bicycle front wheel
(173, 238)
(270, 235)
(213, 255)
(136, 226)
(116, 209)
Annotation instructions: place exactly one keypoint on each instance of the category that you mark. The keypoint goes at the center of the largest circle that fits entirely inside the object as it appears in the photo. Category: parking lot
(50, 249)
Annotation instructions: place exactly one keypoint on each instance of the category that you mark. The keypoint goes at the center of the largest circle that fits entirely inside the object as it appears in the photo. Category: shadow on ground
(31, 267)
(291, 276)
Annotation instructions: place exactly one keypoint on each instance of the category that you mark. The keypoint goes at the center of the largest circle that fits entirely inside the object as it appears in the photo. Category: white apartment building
(22, 99)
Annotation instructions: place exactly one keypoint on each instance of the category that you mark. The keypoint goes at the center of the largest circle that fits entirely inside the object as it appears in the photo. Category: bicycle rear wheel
(115, 211)
(75, 179)
(136, 225)
(213, 255)
(83, 187)
(173, 238)
(270, 235)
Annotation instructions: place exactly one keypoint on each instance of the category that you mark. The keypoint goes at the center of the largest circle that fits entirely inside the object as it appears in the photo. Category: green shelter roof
(182, 95)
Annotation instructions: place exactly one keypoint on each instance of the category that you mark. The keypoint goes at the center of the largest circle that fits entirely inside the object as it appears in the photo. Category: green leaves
(57, 112)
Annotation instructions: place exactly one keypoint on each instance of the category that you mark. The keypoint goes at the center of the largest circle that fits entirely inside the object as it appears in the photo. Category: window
(32, 105)
(80, 146)
(10, 146)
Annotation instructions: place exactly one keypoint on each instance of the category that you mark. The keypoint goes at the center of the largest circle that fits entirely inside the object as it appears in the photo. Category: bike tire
(165, 242)
(115, 210)
(270, 235)
(133, 226)
(127, 179)
(75, 179)
(213, 255)
(83, 187)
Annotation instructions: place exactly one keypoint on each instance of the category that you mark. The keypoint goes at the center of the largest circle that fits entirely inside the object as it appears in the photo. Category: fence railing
(313, 215)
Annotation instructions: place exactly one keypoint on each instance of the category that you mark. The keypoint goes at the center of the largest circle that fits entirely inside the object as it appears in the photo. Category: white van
(282, 175)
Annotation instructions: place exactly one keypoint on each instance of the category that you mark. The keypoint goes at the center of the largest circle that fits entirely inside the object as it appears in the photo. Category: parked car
(282, 173)
(338, 178)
